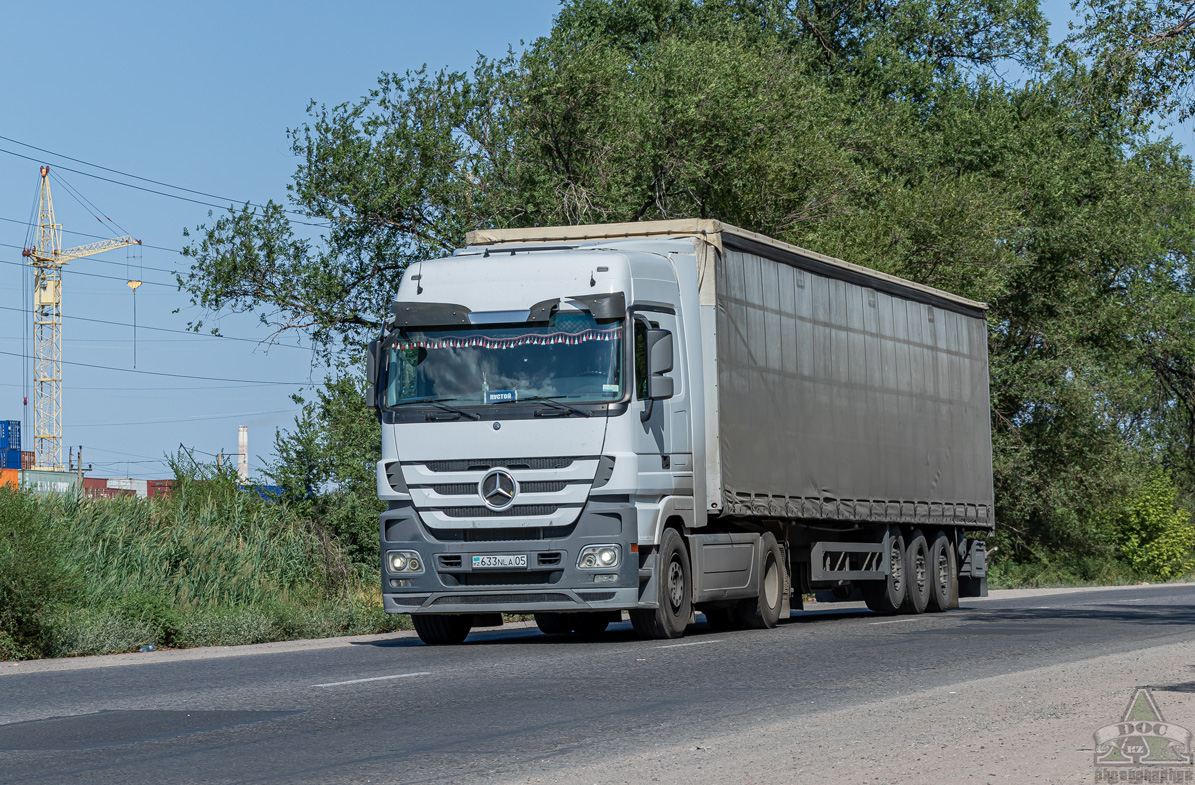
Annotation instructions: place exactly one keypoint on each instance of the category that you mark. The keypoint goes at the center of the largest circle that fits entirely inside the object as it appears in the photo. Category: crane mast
(47, 258)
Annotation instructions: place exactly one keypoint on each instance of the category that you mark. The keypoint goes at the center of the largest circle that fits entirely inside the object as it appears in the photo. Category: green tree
(878, 133)
(1143, 51)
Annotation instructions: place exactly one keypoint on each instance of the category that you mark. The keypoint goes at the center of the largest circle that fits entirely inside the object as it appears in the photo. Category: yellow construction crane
(47, 258)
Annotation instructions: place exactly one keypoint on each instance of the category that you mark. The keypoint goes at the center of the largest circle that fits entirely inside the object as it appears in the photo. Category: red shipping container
(160, 488)
(27, 460)
(97, 488)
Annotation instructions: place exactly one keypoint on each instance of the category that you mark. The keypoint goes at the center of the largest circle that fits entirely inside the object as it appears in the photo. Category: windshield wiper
(550, 401)
(439, 403)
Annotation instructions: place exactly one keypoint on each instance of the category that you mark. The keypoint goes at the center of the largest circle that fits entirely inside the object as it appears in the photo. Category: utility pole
(47, 258)
(79, 487)
(243, 453)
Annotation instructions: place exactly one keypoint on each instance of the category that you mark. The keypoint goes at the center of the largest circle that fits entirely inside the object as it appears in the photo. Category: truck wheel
(554, 623)
(886, 596)
(943, 574)
(674, 592)
(763, 612)
(919, 582)
(722, 619)
(442, 629)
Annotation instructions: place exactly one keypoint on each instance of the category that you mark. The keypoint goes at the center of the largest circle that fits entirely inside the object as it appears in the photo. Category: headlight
(599, 557)
(404, 562)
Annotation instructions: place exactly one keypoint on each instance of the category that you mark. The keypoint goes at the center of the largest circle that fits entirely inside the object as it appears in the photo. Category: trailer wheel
(763, 612)
(442, 629)
(674, 592)
(554, 623)
(919, 584)
(722, 618)
(888, 595)
(943, 574)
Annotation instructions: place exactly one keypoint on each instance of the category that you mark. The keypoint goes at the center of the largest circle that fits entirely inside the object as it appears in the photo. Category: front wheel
(674, 592)
(441, 629)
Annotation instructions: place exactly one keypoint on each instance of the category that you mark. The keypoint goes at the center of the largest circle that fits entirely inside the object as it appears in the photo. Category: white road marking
(893, 621)
(374, 678)
(694, 643)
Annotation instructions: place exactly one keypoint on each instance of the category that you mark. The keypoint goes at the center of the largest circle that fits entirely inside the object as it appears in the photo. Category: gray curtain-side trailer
(846, 410)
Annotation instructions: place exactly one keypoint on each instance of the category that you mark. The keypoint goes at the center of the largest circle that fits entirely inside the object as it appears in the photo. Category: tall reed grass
(208, 564)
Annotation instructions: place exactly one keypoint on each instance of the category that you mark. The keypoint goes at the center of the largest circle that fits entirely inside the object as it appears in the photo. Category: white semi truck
(673, 417)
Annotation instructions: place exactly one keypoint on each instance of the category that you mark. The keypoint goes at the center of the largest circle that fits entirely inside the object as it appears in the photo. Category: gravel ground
(1032, 727)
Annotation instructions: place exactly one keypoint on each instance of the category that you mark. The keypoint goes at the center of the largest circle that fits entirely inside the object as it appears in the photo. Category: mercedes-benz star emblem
(498, 489)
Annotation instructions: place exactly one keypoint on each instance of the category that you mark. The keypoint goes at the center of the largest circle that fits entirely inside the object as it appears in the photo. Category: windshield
(572, 357)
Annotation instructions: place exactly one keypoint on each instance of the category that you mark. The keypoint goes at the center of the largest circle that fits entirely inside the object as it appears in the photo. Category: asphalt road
(511, 701)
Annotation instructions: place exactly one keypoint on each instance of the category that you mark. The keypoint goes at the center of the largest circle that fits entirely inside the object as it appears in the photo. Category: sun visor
(600, 306)
(429, 314)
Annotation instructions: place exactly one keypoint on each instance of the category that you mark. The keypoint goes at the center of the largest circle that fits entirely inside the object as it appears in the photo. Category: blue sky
(197, 95)
(200, 96)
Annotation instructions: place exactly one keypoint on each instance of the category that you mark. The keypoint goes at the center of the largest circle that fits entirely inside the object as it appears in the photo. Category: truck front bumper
(552, 581)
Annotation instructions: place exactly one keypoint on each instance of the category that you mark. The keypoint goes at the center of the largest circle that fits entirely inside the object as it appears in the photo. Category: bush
(104, 630)
(152, 612)
(1156, 536)
(34, 577)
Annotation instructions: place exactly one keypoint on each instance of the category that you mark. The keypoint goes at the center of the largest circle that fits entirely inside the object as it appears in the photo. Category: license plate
(490, 561)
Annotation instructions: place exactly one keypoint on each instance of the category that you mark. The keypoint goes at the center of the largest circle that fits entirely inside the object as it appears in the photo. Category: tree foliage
(1143, 52)
(880, 133)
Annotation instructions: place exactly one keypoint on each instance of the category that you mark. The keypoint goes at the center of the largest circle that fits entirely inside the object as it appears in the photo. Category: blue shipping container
(10, 435)
(10, 459)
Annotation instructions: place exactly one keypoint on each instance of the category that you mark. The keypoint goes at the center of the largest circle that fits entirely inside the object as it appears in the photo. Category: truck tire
(763, 612)
(554, 623)
(888, 595)
(674, 592)
(919, 582)
(722, 618)
(943, 574)
(441, 629)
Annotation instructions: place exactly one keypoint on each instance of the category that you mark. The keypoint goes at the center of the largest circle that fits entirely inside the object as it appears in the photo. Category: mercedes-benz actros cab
(665, 418)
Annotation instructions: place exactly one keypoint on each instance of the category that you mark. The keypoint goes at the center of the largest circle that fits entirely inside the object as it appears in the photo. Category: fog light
(599, 557)
(605, 578)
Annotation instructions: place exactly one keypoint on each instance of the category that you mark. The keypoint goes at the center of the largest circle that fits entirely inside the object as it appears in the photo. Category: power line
(158, 421)
(95, 275)
(127, 174)
(160, 193)
(98, 259)
(175, 375)
(163, 329)
(85, 234)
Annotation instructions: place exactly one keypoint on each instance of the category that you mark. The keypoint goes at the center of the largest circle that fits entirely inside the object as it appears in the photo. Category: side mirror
(659, 362)
(371, 376)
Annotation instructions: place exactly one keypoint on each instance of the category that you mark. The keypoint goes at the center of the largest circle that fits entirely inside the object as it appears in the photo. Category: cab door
(663, 429)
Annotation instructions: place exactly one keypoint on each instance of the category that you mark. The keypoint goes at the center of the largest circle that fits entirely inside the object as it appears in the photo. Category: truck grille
(517, 511)
(464, 488)
(492, 463)
(501, 534)
(485, 599)
(504, 578)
